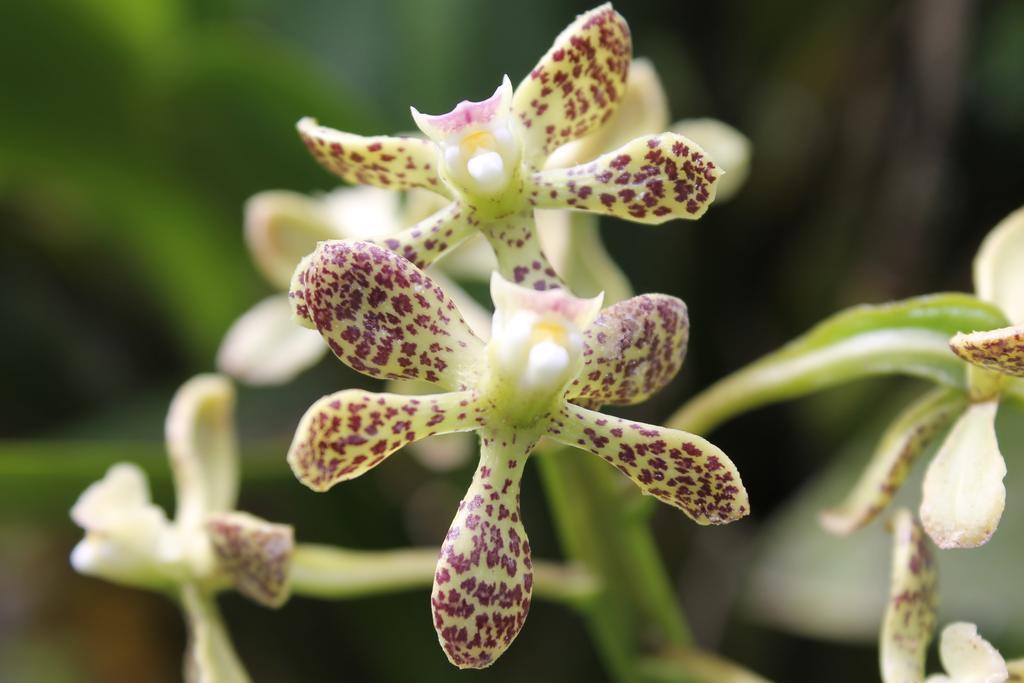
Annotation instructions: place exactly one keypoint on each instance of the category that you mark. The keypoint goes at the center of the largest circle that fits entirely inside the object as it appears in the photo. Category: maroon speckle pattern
(384, 317)
(428, 240)
(675, 467)
(517, 247)
(393, 163)
(649, 180)
(577, 85)
(255, 554)
(484, 576)
(910, 617)
(631, 351)
(999, 350)
(345, 435)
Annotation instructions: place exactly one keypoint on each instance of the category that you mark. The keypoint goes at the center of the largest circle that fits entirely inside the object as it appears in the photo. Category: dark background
(888, 138)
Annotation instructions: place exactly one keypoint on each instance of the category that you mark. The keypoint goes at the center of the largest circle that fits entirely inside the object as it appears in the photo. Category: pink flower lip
(466, 113)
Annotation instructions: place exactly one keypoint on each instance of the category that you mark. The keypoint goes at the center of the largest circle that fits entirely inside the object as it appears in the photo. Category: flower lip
(466, 114)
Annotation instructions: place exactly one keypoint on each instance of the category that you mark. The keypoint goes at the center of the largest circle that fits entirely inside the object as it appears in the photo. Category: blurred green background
(888, 138)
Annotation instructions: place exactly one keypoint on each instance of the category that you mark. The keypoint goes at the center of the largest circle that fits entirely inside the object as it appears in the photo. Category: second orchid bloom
(549, 353)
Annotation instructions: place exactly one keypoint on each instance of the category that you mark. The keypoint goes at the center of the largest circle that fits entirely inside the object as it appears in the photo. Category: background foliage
(887, 136)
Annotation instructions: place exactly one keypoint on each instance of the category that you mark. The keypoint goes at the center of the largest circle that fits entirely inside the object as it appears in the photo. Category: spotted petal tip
(649, 180)
(255, 553)
(484, 577)
(680, 469)
(576, 87)
(632, 350)
(384, 317)
(345, 435)
(1000, 350)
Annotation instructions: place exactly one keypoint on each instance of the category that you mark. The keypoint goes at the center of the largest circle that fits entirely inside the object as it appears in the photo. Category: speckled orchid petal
(1000, 350)
(384, 317)
(576, 87)
(484, 576)
(432, 237)
(256, 554)
(911, 433)
(678, 468)
(969, 658)
(202, 448)
(643, 110)
(265, 346)
(632, 350)
(998, 274)
(280, 228)
(649, 180)
(518, 250)
(909, 620)
(345, 435)
(963, 488)
(210, 656)
(729, 148)
(394, 163)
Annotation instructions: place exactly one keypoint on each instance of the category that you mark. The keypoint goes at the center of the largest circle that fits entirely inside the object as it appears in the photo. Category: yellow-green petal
(575, 88)
(384, 317)
(729, 148)
(632, 350)
(998, 273)
(202, 448)
(255, 553)
(1001, 350)
(649, 180)
(909, 620)
(393, 163)
(484, 576)
(963, 488)
(909, 434)
(678, 468)
(345, 435)
(518, 250)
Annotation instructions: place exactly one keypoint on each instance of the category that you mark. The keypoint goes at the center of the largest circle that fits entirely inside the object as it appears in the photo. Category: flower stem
(321, 571)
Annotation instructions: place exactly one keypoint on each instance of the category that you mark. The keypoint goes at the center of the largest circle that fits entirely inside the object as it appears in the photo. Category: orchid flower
(208, 545)
(963, 495)
(549, 355)
(265, 346)
(487, 157)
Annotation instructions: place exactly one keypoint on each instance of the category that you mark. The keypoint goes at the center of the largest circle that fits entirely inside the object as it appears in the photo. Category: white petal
(969, 658)
(963, 488)
(998, 273)
(265, 346)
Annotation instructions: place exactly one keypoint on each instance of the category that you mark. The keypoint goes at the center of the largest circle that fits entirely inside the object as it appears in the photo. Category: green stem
(321, 571)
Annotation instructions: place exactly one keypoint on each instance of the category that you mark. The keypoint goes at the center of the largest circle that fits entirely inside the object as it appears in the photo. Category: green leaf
(909, 337)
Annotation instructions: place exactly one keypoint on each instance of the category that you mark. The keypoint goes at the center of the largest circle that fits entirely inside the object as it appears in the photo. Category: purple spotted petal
(390, 162)
(909, 620)
(1001, 350)
(677, 468)
(256, 554)
(428, 240)
(517, 248)
(345, 435)
(576, 87)
(382, 316)
(484, 576)
(632, 350)
(649, 180)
